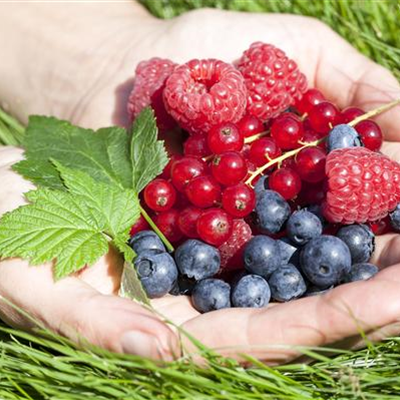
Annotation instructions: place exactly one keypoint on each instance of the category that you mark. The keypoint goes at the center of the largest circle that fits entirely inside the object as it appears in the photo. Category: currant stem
(375, 112)
(279, 160)
(255, 137)
(153, 226)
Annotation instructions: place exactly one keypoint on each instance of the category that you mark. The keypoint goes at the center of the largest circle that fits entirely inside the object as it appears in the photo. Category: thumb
(74, 309)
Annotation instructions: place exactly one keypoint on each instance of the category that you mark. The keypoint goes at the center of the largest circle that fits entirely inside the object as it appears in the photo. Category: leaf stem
(153, 226)
(278, 160)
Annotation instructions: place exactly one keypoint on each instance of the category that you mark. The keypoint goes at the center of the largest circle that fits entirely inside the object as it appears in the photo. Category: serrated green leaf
(55, 226)
(148, 155)
(131, 286)
(102, 154)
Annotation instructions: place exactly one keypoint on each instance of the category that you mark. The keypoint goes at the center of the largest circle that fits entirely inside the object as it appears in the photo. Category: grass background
(49, 367)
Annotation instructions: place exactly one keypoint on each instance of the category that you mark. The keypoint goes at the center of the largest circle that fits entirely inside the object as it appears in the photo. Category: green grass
(49, 367)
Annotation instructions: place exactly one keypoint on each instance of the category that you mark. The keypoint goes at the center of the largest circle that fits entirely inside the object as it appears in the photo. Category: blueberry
(317, 210)
(361, 272)
(197, 260)
(146, 240)
(315, 290)
(360, 240)
(325, 260)
(288, 250)
(262, 256)
(272, 211)
(395, 218)
(251, 291)
(287, 283)
(343, 136)
(183, 286)
(302, 226)
(211, 294)
(157, 272)
(261, 186)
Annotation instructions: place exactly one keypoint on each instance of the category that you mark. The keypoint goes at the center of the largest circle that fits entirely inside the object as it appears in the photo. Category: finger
(272, 334)
(349, 78)
(73, 308)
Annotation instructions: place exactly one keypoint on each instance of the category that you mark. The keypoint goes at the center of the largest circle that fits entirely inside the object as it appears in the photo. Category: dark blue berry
(146, 240)
(262, 256)
(395, 218)
(289, 252)
(287, 283)
(183, 286)
(157, 272)
(342, 136)
(272, 211)
(197, 260)
(315, 290)
(360, 241)
(325, 260)
(302, 226)
(251, 291)
(317, 210)
(211, 294)
(361, 272)
(261, 186)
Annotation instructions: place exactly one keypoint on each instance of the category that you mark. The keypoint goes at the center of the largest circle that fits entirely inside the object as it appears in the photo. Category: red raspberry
(232, 250)
(362, 185)
(273, 80)
(150, 77)
(203, 93)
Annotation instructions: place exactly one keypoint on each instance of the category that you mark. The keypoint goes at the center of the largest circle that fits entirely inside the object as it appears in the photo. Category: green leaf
(73, 228)
(57, 226)
(148, 155)
(102, 154)
(131, 286)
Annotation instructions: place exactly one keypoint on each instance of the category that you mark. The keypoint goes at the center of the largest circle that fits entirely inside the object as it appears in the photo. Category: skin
(76, 61)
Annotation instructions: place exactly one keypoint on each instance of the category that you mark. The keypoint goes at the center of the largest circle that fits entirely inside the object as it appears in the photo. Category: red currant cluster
(200, 193)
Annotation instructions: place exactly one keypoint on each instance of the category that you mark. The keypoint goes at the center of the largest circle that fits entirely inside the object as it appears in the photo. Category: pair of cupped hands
(87, 83)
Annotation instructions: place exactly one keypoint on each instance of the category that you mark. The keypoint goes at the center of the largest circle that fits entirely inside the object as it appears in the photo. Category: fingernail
(139, 343)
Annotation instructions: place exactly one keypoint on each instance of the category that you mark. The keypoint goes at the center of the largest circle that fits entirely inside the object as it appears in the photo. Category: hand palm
(345, 77)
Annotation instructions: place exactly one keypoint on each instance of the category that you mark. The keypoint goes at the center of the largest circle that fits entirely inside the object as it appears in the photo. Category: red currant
(370, 133)
(187, 221)
(263, 150)
(229, 168)
(140, 225)
(286, 182)
(166, 174)
(381, 227)
(225, 137)
(239, 200)
(310, 98)
(311, 164)
(167, 223)
(350, 113)
(196, 145)
(323, 116)
(214, 226)
(159, 195)
(287, 131)
(185, 169)
(203, 191)
(250, 125)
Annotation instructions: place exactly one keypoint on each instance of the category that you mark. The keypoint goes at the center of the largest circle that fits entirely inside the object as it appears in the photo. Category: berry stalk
(155, 228)
(255, 137)
(375, 112)
(278, 160)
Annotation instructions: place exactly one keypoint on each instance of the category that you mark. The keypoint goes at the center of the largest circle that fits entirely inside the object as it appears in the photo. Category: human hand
(83, 304)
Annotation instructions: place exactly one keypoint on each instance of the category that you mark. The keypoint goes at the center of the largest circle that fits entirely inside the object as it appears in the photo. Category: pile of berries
(277, 193)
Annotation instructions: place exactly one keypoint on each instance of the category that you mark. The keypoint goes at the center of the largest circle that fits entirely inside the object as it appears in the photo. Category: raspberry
(203, 93)
(362, 185)
(150, 77)
(273, 80)
(232, 250)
